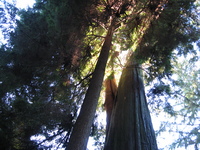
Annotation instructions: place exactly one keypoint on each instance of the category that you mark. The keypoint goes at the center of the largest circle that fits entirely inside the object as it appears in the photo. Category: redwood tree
(131, 126)
(115, 13)
(44, 67)
(145, 25)
(82, 128)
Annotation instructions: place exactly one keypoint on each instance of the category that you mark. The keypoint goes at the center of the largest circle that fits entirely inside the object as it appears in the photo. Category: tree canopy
(49, 59)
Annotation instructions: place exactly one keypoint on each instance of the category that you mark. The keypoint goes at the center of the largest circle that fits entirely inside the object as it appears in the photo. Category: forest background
(64, 71)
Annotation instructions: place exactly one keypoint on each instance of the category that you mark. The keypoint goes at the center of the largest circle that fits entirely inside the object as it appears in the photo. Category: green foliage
(40, 94)
(180, 106)
(46, 66)
(160, 89)
(8, 12)
(174, 28)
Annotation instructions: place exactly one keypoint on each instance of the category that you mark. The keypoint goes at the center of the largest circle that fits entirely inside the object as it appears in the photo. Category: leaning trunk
(82, 127)
(131, 127)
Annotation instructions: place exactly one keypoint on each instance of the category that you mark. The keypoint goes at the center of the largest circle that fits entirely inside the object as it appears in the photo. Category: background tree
(37, 68)
(187, 76)
(180, 104)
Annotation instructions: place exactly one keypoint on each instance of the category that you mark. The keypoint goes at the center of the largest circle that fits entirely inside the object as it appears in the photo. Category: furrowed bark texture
(82, 127)
(131, 127)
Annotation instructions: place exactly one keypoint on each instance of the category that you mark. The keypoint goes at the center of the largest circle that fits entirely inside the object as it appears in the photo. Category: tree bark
(82, 127)
(131, 127)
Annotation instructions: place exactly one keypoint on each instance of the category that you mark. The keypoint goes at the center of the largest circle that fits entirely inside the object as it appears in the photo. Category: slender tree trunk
(131, 127)
(82, 127)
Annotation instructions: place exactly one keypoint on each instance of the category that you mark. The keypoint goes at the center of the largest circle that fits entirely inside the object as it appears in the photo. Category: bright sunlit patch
(24, 3)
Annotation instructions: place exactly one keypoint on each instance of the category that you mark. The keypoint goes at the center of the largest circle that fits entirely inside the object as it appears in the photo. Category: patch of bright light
(24, 3)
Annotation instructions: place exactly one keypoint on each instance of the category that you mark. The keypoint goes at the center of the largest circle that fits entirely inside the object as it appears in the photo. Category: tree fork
(82, 127)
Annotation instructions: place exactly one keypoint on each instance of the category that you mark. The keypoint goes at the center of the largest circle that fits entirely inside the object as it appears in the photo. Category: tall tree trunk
(131, 127)
(82, 127)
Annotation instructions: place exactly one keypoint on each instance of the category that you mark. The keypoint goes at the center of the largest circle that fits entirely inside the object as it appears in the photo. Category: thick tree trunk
(131, 127)
(82, 127)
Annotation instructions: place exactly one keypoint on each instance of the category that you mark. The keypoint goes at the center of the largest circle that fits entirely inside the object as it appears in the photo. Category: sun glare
(24, 3)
